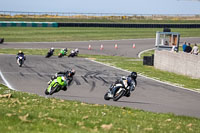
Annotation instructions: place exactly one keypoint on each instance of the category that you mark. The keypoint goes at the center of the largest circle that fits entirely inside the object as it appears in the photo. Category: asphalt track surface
(92, 80)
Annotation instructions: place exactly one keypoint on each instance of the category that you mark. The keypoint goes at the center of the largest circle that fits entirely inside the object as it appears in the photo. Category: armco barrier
(27, 24)
(129, 25)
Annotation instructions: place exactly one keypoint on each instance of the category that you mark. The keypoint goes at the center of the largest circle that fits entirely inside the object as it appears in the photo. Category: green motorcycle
(62, 53)
(56, 85)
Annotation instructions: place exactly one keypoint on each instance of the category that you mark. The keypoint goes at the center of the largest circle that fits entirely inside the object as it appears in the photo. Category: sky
(104, 6)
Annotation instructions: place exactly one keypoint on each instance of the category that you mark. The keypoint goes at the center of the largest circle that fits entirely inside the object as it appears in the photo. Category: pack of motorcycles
(115, 91)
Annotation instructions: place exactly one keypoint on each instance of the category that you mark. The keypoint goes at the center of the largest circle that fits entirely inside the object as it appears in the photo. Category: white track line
(144, 76)
(139, 55)
(6, 82)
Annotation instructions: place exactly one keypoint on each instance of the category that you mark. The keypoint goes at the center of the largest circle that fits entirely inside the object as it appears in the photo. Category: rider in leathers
(20, 53)
(67, 74)
(51, 50)
(131, 82)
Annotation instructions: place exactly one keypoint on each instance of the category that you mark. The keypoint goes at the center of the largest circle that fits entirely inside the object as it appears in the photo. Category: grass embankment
(137, 20)
(131, 65)
(23, 112)
(47, 34)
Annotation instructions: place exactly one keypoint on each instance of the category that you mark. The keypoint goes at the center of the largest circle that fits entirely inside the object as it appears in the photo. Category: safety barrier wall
(129, 25)
(27, 24)
(55, 24)
(180, 63)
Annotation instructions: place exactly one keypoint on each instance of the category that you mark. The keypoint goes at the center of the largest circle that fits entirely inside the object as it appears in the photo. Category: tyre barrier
(27, 24)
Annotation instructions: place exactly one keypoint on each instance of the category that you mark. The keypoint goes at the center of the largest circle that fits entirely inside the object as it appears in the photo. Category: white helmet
(64, 78)
(76, 49)
(123, 78)
(52, 48)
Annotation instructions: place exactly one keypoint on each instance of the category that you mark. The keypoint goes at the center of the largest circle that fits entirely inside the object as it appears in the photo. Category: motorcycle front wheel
(106, 96)
(118, 95)
(20, 63)
(54, 89)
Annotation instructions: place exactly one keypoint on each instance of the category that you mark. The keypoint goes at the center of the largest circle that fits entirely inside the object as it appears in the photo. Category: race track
(92, 79)
(124, 46)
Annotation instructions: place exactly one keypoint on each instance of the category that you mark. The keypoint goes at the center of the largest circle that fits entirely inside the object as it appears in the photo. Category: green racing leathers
(63, 52)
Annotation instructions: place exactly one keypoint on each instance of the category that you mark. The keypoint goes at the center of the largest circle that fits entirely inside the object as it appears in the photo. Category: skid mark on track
(93, 86)
(21, 74)
(83, 68)
(65, 66)
(84, 79)
(77, 81)
(101, 76)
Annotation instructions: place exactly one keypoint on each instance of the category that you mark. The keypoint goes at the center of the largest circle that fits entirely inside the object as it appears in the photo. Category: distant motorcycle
(118, 90)
(50, 53)
(20, 60)
(62, 53)
(73, 53)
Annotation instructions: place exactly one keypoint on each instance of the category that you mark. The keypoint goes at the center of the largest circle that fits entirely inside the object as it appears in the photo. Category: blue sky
(105, 6)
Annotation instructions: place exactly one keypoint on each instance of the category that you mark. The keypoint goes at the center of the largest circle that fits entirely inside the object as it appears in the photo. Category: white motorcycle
(20, 61)
(117, 90)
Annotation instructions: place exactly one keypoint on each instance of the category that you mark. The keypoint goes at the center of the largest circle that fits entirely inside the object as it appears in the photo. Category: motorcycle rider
(66, 76)
(20, 53)
(73, 51)
(76, 51)
(63, 51)
(51, 50)
(131, 82)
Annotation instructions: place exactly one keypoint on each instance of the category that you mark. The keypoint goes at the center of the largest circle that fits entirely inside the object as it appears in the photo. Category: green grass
(32, 34)
(28, 51)
(29, 113)
(102, 20)
(131, 65)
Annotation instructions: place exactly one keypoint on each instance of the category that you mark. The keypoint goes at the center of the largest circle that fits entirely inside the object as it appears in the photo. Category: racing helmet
(20, 52)
(64, 78)
(76, 50)
(123, 78)
(72, 72)
(133, 75)
(65, 49)
(52, 48)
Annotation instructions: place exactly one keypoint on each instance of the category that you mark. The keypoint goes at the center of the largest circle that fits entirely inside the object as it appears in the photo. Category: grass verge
(47, 34)
(131, 65)
(23, 112)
